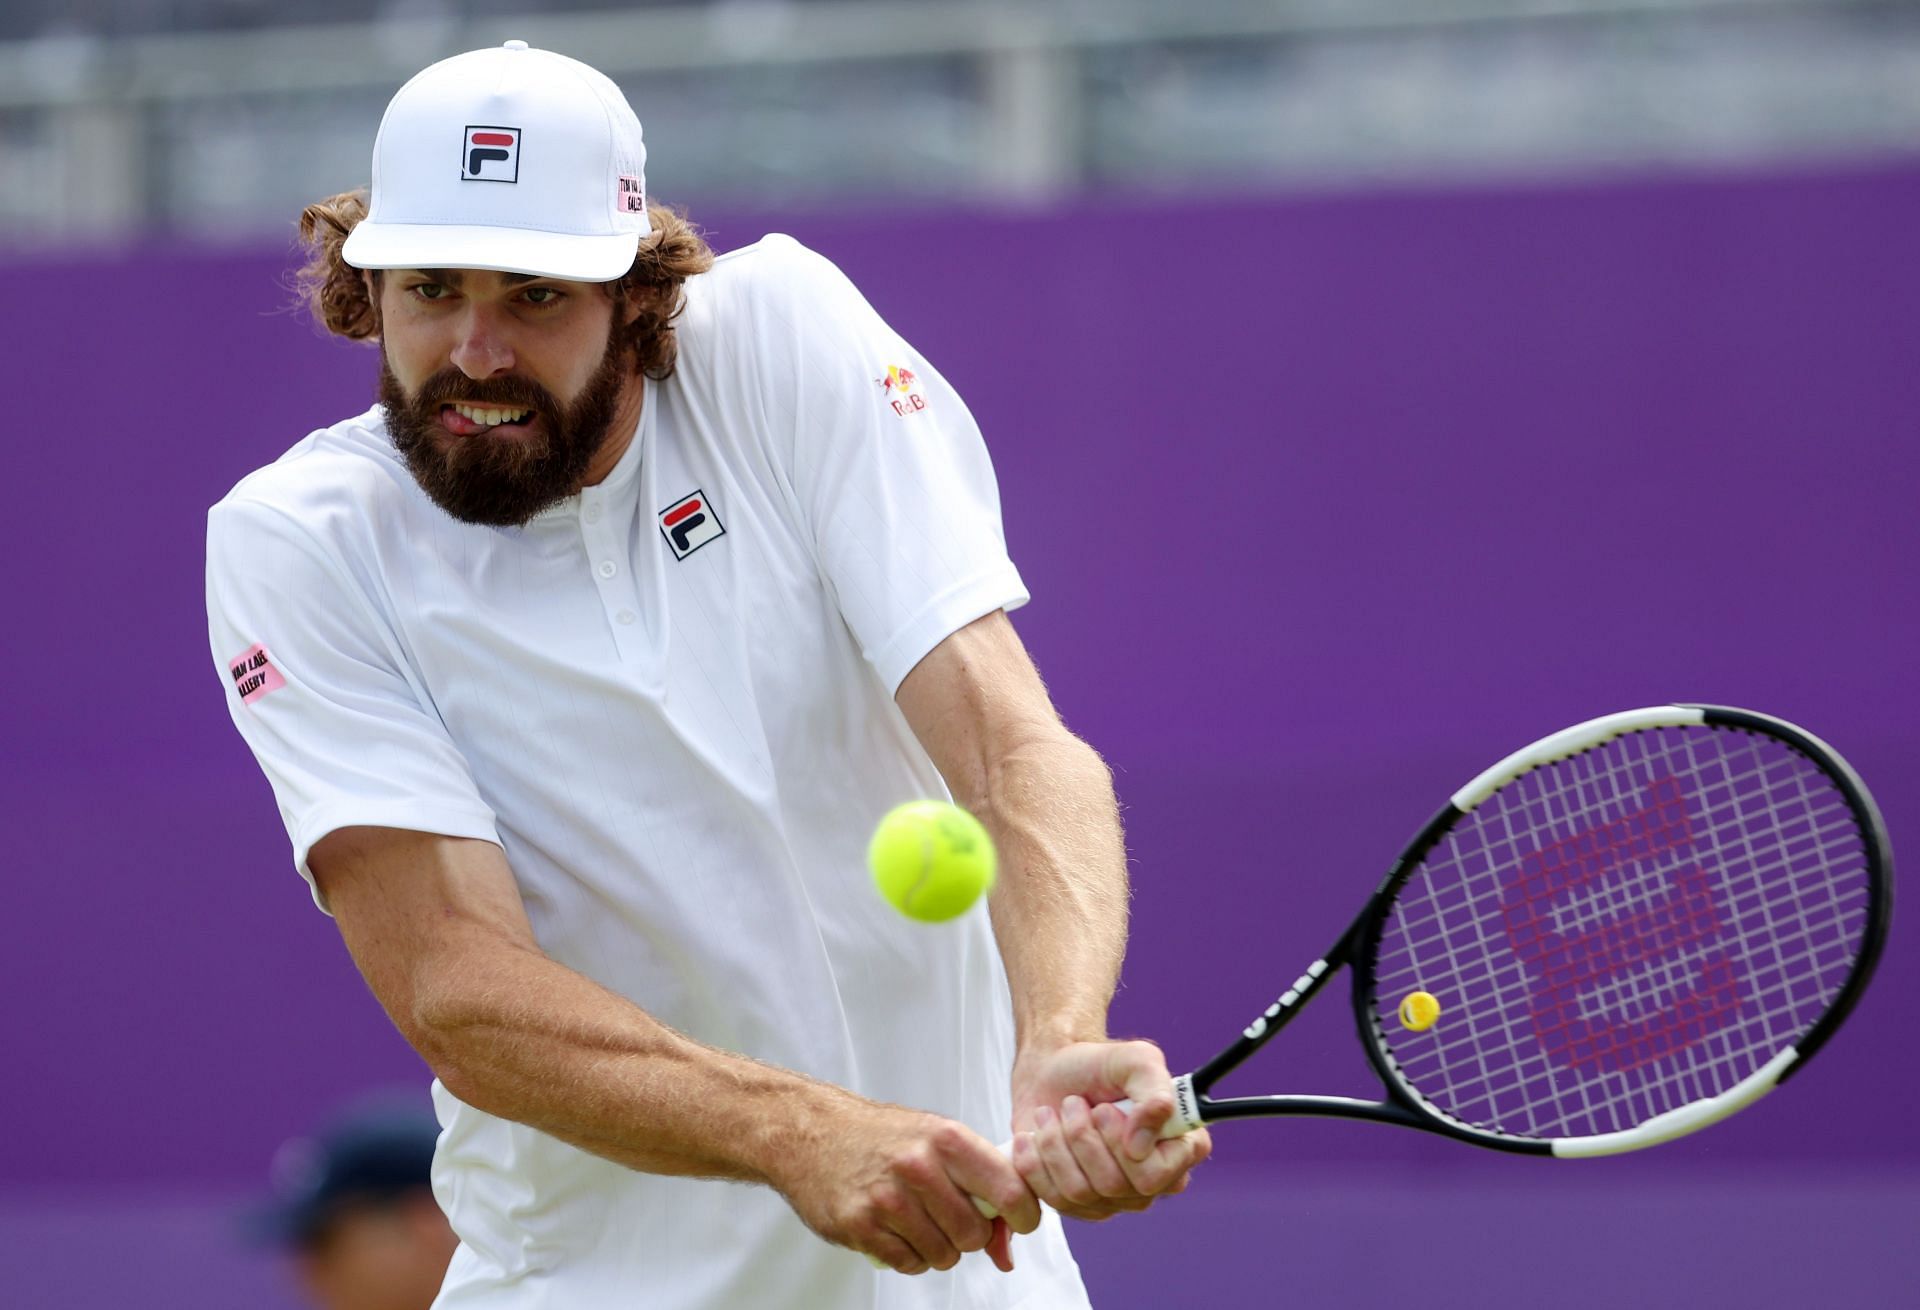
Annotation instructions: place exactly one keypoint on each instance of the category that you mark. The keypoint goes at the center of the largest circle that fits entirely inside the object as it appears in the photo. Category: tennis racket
(1619, 935)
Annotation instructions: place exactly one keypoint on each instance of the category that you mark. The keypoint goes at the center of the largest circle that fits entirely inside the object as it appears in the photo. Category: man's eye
(429, 290)
(543, 295)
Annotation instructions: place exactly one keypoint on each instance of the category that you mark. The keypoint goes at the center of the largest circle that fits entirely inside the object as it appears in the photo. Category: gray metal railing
(226, 132)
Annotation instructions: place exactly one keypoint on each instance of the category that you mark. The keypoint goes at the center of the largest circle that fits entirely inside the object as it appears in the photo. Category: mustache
(450, 385)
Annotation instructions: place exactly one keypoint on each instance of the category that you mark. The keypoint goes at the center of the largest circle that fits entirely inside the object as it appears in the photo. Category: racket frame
(1360, 943)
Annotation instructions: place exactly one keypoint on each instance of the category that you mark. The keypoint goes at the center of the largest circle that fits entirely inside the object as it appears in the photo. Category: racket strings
(1677, 961)
(1624, 931)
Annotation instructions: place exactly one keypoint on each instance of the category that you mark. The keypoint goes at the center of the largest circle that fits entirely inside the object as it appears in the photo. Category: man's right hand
(898, 1185)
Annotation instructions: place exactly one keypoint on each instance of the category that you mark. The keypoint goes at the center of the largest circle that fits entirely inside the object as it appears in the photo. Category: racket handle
(1185, 1119)
(1186, 1109)
(986, 1209)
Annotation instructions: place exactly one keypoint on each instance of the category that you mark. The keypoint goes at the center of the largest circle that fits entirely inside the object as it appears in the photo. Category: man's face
(378, 1256)
(500, 389)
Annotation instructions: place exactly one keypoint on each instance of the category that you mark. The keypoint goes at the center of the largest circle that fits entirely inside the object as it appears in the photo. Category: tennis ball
(1419, 1011)
(931, 860)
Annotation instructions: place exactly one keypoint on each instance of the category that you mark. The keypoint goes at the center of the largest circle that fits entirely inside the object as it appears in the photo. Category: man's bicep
(974, 700)
(321, 690)
(412, 906)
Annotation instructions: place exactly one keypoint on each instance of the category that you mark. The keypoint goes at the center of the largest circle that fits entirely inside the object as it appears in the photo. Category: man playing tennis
(583, 664)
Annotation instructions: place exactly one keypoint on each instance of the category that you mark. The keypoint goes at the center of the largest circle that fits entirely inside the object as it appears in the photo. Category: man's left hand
(1077, 1150)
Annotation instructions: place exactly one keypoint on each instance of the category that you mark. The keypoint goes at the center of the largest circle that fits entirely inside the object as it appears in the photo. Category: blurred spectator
(353, 1207)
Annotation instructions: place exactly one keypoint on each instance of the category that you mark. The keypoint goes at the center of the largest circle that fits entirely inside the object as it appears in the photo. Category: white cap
(513, 159)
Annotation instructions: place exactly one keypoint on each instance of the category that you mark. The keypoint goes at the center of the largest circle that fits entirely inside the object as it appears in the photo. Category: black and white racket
(1619, 935)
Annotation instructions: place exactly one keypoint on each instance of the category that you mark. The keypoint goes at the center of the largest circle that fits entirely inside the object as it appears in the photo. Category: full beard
(502, 478)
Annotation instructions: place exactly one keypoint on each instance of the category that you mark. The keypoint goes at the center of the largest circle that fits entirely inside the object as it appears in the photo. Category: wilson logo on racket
(1620, 979)
(690, 523)
(490, 154)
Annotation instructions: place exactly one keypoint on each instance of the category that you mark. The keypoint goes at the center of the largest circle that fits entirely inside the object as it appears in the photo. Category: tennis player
(583, 664)
(353, 1207)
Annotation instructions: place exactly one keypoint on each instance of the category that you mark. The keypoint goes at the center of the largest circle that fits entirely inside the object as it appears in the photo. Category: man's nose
(482, 350)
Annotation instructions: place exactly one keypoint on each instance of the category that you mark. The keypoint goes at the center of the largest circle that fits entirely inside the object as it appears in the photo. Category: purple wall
(1326, 504)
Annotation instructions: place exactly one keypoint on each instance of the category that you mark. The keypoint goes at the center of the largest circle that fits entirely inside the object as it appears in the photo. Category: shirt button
(593, 513)
(607, 568)
(625, 616)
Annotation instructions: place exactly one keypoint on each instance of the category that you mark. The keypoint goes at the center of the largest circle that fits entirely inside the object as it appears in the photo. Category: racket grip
(1185, 1119)
(1186, 1109)
(986, 1208)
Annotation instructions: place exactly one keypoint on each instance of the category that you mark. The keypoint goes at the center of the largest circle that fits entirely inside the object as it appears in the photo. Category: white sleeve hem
(445, 820)
(998, 589)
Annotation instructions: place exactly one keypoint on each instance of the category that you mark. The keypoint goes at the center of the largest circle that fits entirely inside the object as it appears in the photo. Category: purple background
(1327, 502)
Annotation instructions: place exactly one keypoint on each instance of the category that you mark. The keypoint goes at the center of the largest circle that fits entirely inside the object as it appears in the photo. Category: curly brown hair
(336, 292)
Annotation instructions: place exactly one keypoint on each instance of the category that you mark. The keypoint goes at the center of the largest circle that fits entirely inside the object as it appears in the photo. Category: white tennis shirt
(669, 699)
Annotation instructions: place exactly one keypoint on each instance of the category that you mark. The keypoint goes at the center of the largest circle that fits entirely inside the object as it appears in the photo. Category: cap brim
(564, 255)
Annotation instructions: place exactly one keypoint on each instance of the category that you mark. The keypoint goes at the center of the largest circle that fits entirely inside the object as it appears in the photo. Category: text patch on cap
(490, 154)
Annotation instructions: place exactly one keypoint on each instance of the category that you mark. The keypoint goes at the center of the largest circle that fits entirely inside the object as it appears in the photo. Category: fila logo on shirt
(490, 154)
(690, 523)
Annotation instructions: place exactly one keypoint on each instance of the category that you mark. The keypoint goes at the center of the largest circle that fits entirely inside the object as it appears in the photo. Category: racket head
(1631, 929)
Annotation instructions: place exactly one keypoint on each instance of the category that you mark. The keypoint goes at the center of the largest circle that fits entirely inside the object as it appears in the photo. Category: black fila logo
(690, 523)
(490, 154)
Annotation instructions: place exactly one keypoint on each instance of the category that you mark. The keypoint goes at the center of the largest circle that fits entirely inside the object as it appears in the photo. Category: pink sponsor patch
(633, 195)
(253, 674)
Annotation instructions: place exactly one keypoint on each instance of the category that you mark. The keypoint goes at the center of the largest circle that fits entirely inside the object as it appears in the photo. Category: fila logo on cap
(490, 154)
(690, 523)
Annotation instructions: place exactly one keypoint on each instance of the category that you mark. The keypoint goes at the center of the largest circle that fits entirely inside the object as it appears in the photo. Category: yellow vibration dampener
(1419, 1011)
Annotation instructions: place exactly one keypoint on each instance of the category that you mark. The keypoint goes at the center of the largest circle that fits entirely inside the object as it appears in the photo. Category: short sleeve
(317, 686)
(889, 471)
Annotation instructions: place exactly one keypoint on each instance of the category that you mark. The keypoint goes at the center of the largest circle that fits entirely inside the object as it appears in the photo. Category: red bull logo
(902, 390)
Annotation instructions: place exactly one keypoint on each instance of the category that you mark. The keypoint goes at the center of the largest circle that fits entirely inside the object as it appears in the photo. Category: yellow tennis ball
(1419, 1011)
(931, 860)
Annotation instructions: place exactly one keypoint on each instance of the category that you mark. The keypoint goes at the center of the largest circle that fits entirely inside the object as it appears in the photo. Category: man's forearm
(516, 1034)
(1060, 907)
(437, 926)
